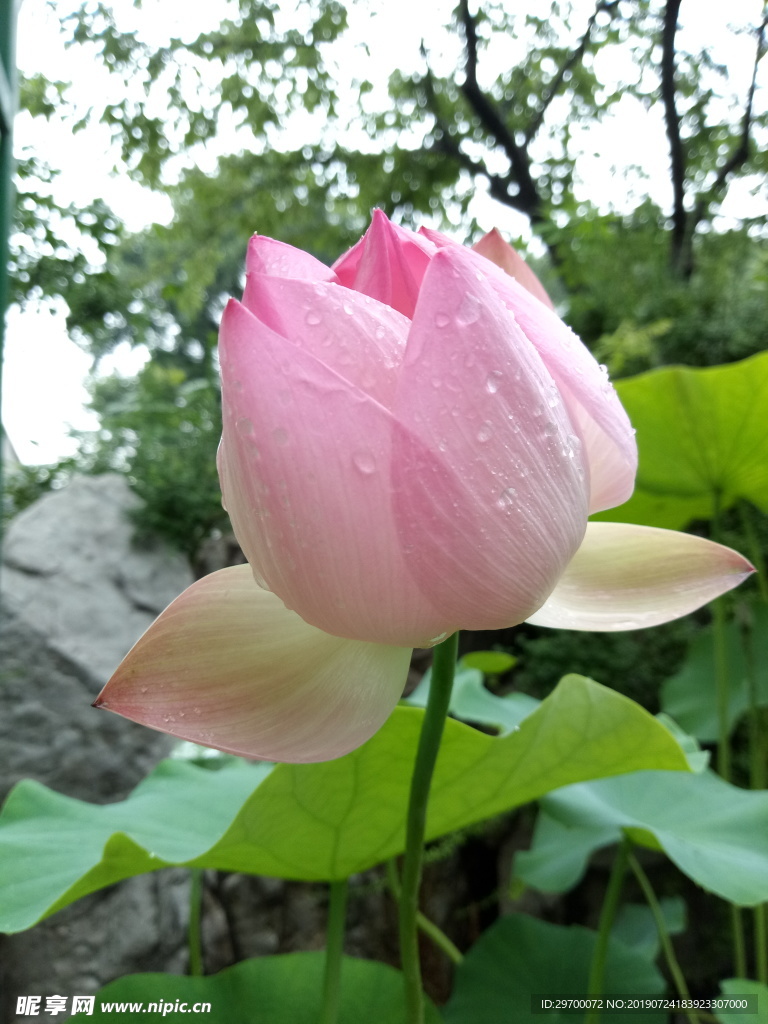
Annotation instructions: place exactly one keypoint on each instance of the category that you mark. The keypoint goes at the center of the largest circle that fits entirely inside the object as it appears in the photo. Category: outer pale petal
(475, 390)
(500, 252)
(278, 259)
(305, 468)
(363, 340)
(228, 666)
(627, 577)
(388, 263)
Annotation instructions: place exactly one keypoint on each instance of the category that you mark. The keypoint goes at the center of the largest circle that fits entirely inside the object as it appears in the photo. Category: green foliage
(716, 833)
(314, 821)
(269, 990)
(690, 696)
(519, 957)
(624, 301)
(740, 987)
(164, 427)
(23, 485)
(701, 439)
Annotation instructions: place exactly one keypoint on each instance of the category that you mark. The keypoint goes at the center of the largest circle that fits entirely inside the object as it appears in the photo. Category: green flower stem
(429, 928)
(664, 938)
(334, 950)
(607, 917)
(443, 668)
(194, 937)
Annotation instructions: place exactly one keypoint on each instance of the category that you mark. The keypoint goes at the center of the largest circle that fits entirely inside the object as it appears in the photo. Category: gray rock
(76, 593)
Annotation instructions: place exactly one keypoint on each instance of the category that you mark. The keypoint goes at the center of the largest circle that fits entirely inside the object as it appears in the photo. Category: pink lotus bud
(412, 443)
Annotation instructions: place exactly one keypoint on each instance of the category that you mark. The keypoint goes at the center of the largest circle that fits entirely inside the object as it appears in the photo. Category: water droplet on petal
(439, 638)
(507, 498)
(485, 433)
(442, 319)
(469, 310)
(365, 462)
(550, 429)
(313, 318)
(280, 436)
(244, 425)
(493, 381)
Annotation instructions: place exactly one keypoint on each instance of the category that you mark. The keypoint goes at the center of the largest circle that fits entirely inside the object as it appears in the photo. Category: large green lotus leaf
(690, 697)
(282, 989)
(519, 957)
(700, 432)
(735, 987)
(314, 822)
(715, 833)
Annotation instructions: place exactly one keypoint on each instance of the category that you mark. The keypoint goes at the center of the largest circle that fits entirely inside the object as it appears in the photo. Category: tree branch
(741, 151)
(499, 186)
(611, 6)
(528, 199)
(672, 122)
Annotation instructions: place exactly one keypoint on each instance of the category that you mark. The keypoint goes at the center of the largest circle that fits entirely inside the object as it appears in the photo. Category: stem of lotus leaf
(607, 917)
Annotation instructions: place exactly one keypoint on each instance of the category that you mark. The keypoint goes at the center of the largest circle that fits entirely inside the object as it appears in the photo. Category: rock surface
(76, 593)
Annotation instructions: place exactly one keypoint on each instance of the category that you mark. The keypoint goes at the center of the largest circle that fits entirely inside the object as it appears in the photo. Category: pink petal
(388, 263)
(474, 390)
(629, 577)
(593, 405)
(305, 464)
(363, 340)
(268, 256)
(228, 666)
(494, 248)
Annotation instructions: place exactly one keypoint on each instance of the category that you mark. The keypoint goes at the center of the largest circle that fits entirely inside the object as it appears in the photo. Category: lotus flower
(412, 443)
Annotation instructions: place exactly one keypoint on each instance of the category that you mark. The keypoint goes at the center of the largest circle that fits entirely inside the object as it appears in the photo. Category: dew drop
(347, 309)
(507, 498)
(365, 462)
(550, 429)
(485, 433)
(244, 425)
(553, 399)
(493, 381)
(144, 689)
(280, 436)
(469, 310)
(438, 639)
(442, 319)
(313, 318)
